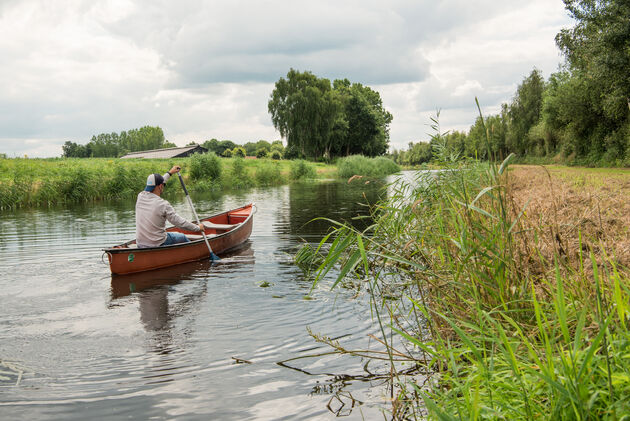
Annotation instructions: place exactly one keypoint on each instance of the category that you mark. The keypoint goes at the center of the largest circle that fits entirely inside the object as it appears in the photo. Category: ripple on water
(197, 340)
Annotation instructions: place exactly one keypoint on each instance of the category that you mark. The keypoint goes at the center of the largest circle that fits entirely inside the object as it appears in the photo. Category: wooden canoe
(225, 231)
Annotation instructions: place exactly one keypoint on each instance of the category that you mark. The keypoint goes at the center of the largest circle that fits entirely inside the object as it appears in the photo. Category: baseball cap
(153, 181)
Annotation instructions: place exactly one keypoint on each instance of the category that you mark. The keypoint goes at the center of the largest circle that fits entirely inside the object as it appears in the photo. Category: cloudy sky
(70, 69)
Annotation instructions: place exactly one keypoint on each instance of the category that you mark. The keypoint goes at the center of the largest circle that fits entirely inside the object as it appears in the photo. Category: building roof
(167, 152)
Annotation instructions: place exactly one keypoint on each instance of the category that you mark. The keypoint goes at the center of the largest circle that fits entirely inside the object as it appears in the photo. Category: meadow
(508, 288)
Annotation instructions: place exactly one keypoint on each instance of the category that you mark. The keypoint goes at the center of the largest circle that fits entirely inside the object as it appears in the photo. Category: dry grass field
(571, 208)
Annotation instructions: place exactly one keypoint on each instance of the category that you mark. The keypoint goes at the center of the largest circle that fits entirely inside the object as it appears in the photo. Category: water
(196, 341)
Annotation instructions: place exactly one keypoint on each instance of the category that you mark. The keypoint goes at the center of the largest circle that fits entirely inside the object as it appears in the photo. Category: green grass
(497, 337)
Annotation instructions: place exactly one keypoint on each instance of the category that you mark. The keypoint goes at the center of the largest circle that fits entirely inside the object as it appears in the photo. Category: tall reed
(501, 328)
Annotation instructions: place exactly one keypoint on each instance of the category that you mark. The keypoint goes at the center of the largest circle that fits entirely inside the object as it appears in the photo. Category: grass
(513, 301)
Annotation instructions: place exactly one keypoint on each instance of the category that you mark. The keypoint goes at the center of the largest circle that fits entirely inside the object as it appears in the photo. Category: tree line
(118, 144)
(323, 120)
(580, 115)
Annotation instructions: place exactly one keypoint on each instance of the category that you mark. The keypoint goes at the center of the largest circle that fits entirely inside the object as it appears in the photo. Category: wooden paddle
(213, 256)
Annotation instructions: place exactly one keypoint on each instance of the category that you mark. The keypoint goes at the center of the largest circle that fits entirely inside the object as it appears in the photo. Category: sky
(71, 69)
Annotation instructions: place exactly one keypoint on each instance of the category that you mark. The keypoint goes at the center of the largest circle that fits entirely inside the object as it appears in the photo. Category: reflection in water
(156, 314)
(161, 344)
(123, 285)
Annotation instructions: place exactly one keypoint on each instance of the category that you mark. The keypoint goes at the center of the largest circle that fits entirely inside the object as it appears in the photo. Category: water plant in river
(501, 317)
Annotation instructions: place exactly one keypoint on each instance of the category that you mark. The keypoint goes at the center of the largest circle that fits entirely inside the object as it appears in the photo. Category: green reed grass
(361, 165)
(268, 173)
(302, 170)
(498, 337)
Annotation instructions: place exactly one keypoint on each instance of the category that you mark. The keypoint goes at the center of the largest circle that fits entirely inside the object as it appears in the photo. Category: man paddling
(152, 212)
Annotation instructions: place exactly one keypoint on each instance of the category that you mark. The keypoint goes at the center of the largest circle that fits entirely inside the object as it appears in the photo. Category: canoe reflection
(123, 285)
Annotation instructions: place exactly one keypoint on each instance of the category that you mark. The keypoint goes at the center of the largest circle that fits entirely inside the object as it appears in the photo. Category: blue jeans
(175, 238)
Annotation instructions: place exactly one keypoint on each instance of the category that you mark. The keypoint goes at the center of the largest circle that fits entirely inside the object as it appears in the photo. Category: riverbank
(513, 292)
(47, 182)
(57, 181)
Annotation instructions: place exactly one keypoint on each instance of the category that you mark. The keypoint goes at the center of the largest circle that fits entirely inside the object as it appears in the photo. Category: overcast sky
(205, 69)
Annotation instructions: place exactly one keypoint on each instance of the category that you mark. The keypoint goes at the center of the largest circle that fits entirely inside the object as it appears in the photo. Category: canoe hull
(124, 259)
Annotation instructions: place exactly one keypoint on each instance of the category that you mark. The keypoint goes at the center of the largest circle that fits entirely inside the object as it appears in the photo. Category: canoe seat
(195, 237)
(212, 225)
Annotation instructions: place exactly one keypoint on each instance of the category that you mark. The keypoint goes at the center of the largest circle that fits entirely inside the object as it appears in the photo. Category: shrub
(239, 178)
(227, 153)
(371, 167)
(262, 153)
(205, 166)
(268, 173)
(276, 154)
(301, 169)
(239, 151)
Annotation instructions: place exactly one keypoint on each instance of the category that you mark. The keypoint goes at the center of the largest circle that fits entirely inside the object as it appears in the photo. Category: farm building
(167, 152)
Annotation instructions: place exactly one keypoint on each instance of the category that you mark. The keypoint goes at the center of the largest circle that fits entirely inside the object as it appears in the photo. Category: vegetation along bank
(46, 182)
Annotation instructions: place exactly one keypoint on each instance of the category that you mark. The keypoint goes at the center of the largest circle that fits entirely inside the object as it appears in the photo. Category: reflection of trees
(340, 201)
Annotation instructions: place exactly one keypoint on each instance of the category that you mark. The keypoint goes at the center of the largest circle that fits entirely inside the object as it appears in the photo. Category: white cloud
(202, 69)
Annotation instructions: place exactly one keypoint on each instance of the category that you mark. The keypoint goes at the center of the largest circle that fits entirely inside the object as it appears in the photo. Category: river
(196, 341)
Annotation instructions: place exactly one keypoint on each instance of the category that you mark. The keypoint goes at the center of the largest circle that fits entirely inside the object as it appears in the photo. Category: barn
(167, 152)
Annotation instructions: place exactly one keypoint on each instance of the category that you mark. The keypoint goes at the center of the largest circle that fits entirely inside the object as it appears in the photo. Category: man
(152, 212)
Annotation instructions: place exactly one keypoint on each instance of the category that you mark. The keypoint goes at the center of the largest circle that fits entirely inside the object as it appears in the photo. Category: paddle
(213, 256)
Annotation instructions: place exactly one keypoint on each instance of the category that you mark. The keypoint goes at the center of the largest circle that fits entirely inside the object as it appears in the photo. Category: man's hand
(201, 227)
(175, 169)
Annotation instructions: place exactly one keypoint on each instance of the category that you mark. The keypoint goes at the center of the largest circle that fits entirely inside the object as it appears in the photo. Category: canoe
(225, 231)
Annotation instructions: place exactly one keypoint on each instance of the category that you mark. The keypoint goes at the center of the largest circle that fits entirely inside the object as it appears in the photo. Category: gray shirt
(152, 212)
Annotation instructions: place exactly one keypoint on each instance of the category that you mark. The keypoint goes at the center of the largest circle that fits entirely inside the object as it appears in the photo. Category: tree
(239, 151)
(596, 83)
(320, 120)
(364, 127)
(524, 113)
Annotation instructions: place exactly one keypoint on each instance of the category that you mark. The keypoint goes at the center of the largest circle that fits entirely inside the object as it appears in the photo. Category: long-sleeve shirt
(152, 212)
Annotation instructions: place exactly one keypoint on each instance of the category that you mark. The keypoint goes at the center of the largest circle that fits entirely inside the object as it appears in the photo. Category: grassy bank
(46, 182)
(513, 292)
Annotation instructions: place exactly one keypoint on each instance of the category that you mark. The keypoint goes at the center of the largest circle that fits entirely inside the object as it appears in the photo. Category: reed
(499, 318)
(268, 173)
(61, 181)
(301, 170)
(361, 165)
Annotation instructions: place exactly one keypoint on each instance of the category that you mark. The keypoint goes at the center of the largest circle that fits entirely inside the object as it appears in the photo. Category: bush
(371, 167)
(268, 173)
(205, 166)
(239, 151)
(239, 178)
(276, 154)
(227, 153)
(301, 169)
(262, 153)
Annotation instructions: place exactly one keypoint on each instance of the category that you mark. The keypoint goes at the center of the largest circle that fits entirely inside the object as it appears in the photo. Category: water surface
(195, 341)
